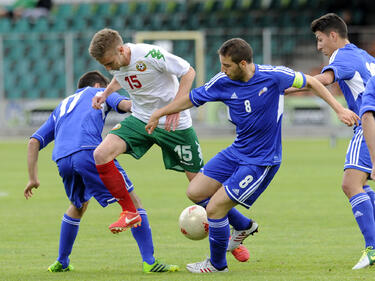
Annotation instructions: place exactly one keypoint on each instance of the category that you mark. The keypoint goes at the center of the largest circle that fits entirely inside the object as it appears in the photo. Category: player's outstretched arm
(345, 115)
(177, 105)
(97, 101)
(32, 165)
(125, 105)
(186, 81)
(368, 125)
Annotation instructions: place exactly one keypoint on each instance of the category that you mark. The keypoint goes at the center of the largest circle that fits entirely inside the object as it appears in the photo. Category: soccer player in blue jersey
(351, 67)
(76, 129)
(240, 173)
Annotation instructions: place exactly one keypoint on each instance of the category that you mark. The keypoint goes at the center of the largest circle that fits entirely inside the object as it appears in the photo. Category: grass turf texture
(307, 231)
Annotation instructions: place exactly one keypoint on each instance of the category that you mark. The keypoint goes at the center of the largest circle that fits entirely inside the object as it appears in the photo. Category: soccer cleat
(238, 236)
(158, 266)
(367, 259)
(127, 220)
(203, 267)
(57, 267)
(241, 253)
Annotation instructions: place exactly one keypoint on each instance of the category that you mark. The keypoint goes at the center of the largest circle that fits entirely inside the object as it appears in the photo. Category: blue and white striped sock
(371, 194)
(68, 234)
(142, 234)
(235, 218)
(218, 235)
(364, 215)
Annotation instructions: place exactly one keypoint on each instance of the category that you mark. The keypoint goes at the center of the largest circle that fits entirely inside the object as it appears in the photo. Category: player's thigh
(73, 182)
(202, 187)
(353, 182)
(93, 185)
(181, 150)
(132, 131)
(109, 149)
(249, 182)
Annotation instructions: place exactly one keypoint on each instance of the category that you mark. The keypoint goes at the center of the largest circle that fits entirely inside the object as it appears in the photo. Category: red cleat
(241, 253)
(127, 220)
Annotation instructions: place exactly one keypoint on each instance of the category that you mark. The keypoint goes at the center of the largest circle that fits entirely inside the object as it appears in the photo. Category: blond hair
(103, 41)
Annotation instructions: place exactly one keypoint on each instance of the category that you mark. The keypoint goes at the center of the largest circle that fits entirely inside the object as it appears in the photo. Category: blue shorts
(243, 182)
(82, 181)
(357, 155)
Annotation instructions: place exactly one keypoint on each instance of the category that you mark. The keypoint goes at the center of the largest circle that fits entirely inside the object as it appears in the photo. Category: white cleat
(367, 259)
(238, 236)
(203, 267)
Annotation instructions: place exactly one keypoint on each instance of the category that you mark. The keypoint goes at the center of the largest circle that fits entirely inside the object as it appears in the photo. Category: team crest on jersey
(116, 127)
(140, 66)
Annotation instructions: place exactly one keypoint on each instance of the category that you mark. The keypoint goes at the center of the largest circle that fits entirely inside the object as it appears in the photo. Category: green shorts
(180, 148)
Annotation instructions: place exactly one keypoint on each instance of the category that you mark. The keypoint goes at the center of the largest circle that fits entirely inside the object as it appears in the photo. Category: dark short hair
(238, 49)
(89, 79)
(330, 22)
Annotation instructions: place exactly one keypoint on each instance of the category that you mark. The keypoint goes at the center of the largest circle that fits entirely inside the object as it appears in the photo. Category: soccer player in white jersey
(351, 67)
(240, 173)
(150, 75)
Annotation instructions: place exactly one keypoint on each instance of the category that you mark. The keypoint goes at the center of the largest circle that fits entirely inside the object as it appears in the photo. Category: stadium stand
(220, 19)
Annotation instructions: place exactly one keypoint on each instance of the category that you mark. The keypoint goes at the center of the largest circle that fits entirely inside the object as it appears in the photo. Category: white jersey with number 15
(151, 81)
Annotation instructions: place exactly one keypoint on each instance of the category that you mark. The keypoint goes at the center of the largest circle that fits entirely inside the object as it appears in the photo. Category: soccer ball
(193, 222)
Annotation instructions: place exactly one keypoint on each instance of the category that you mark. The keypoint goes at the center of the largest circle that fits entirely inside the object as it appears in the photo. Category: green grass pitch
(307, 230)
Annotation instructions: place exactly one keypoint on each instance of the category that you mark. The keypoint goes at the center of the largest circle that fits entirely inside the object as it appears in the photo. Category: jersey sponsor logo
(140, 66)
(155, 54)
(116, 127)
(234, 96)
(261, 92)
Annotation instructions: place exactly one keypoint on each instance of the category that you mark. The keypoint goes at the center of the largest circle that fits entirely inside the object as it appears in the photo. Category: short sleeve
(341, 66)
(46, 133)
(209, 92)
(113, 101)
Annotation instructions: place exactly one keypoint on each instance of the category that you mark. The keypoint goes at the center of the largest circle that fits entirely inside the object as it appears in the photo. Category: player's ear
(121, 49)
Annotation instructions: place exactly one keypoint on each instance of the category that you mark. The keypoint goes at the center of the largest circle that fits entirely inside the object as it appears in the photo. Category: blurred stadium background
(41, 59)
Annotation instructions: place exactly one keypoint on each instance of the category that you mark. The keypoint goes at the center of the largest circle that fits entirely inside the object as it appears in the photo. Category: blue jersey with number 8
(255, 107)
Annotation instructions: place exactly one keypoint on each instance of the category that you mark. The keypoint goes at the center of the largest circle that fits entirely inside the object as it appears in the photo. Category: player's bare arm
(326, 78)
(345, 115)
(125, 105)
(177, 105)
(112, 87)
(32, 165)
(368, 125)
(186, 82)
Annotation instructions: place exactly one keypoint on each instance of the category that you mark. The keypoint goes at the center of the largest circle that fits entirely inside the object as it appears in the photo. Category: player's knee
(99, 156)
(349, 190)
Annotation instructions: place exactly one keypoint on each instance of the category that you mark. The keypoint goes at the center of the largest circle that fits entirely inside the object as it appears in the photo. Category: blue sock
(371, 194)
(238, 220)
(218, 235)
(68, 234)
(203, 203)
(364, 215)
(142, 234)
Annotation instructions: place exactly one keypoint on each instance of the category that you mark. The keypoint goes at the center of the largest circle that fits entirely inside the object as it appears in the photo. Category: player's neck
(127, 55)
(250, 71)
